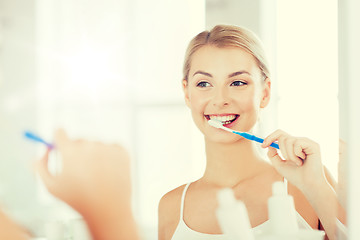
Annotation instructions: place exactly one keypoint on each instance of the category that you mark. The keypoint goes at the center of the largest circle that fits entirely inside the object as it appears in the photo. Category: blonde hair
(228, 36)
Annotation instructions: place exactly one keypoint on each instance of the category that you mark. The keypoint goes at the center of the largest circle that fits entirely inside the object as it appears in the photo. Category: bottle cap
(278, 189)
(226, 196)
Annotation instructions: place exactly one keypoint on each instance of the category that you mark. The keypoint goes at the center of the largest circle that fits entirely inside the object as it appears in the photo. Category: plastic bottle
(282, 213)
(233, 217)
(282, 217)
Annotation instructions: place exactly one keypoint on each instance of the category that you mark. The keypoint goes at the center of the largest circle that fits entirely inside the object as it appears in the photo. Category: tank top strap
(183, 200)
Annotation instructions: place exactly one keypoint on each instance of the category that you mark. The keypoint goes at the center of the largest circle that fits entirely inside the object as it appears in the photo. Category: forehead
(223, 60)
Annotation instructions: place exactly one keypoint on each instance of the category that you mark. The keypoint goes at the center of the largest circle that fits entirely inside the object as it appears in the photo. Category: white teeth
(225, 119)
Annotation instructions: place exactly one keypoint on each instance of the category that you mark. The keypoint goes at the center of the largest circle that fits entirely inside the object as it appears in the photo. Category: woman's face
(225, 84)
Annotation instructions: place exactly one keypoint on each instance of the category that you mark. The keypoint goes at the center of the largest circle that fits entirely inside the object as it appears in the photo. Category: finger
(308, 146)
(274, 157)
(282, 145)
(43, 171)
(299, 152)
(281, 165)
(61, 138)
(292, 152)
(272, 138)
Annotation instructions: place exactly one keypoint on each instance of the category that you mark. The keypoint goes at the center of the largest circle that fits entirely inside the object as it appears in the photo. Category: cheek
(197, 102)
(248, 102)
(197, 106)
(250, 112)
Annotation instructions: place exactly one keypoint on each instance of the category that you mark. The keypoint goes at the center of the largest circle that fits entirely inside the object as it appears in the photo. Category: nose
(221, 97)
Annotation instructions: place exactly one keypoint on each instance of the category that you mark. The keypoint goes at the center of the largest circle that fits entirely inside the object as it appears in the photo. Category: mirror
(65, 64)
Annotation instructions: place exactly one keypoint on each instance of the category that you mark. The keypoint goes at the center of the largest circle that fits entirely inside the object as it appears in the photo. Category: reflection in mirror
(112, 71)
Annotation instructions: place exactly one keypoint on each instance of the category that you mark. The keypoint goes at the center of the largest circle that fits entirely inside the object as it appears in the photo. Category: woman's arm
(10, 230)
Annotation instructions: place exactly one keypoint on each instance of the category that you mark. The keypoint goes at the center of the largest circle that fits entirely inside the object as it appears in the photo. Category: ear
(265, 99)
(186, 92)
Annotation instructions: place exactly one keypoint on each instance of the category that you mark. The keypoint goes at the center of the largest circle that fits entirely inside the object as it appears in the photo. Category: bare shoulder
(170, 201)
(169, 212)
(303, 207)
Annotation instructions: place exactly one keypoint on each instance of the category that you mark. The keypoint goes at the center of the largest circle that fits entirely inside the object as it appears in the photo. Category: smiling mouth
(225, 119)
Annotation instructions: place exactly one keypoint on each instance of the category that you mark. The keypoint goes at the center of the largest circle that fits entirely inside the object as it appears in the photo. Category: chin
(224, 139)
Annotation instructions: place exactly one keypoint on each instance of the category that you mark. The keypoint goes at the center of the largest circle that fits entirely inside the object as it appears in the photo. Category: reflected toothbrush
(34, 137)
(218, 124)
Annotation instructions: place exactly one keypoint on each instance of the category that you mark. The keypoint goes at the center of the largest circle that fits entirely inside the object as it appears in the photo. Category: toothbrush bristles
(218, 124)
(215, 123)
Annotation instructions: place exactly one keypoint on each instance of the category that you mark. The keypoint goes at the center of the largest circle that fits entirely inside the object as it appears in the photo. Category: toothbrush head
(215, 123)
(218, 124)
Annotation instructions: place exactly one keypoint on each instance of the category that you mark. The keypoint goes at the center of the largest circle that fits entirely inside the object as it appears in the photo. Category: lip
(230, 125)
(219, 114)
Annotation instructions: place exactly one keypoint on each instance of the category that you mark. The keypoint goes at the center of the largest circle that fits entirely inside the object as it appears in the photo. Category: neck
(229, 164)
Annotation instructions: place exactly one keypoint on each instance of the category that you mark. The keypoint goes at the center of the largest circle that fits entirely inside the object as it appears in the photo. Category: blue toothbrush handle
(274, 145)
(256, 139)
(36, 138)
(260, 140)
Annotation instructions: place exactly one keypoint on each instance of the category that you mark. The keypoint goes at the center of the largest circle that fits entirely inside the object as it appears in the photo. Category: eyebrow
(203, 73)
(230, 75)
(238, 73)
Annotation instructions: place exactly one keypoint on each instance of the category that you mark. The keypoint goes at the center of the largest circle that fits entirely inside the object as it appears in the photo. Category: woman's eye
(203, 84)
(238, 83)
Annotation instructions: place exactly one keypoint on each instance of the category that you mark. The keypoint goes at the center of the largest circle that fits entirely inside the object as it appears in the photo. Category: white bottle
(283, 220)
(282, 213)
(79, 230)
(233, 217)
(54, 230)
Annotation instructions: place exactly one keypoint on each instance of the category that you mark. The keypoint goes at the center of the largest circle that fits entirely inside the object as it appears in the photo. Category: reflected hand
(93, 174)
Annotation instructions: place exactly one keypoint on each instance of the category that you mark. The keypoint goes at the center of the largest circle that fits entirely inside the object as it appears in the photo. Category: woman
(226, 77)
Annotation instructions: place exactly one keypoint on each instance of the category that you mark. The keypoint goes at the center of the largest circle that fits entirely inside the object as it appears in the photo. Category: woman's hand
(92, 172)
(300, 162)
(95, 181)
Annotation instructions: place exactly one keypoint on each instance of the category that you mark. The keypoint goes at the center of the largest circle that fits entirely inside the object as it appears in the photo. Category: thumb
(275, 159)
(61, 138)
(41, 167)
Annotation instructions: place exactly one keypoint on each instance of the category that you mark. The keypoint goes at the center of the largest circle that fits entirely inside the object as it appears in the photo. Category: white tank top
(184, 232)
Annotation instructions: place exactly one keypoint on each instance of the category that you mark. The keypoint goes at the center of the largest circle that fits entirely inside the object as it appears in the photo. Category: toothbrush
(218, 124)
(34, 137)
